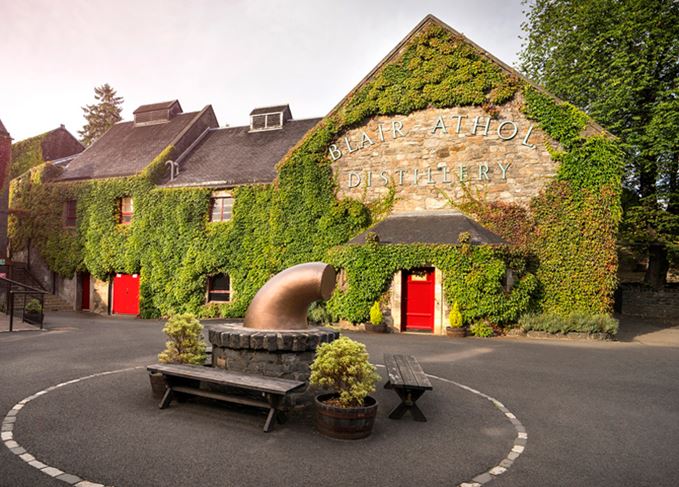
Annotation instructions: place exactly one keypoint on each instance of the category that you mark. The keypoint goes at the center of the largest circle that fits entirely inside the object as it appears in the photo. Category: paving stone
(18, 450)
(512, 455)
(10, 420)
(69, 479)
(85, 483)
(483, 478)
(523, 435)
(51, 471)
(37, 464)
(470, 484)
(518, 448)
(27, 457)
(520, 441)
(497, 470)
(11, 444)
(7, 427)
(506, 463)
(6, 435)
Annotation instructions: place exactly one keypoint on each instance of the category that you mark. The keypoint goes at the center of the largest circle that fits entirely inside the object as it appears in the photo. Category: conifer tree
(101, 115)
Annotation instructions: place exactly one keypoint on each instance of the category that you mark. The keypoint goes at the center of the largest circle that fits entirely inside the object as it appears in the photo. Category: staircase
(20, 273)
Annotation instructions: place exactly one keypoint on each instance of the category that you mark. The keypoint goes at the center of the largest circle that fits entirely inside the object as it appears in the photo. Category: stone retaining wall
(651, 303)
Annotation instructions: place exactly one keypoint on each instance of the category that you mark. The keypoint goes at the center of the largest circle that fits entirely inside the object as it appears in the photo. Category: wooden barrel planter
(345, 423)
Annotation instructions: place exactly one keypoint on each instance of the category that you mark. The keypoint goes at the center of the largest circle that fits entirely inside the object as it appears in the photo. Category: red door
(126, 294)
(418, 300)
(85, 291)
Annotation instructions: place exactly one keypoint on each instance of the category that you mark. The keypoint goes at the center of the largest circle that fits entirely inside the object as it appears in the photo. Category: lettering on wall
(454, 126)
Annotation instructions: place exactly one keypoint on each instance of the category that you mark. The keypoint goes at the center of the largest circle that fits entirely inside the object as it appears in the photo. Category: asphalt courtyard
(594, 413)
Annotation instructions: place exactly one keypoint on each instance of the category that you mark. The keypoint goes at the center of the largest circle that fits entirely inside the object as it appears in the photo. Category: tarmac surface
(596, 413)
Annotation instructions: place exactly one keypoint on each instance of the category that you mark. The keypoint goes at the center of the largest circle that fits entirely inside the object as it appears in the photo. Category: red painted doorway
(126, 294)
(85, 291)
(418, 300)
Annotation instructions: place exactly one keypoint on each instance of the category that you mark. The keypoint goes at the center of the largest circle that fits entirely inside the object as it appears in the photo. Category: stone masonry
(501, 157)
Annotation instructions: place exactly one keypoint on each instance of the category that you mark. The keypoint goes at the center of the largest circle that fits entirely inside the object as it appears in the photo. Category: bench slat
(416, 369)
(271, 385)
(405, 371)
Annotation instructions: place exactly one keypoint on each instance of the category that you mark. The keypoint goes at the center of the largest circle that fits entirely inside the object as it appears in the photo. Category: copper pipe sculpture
(282, 303)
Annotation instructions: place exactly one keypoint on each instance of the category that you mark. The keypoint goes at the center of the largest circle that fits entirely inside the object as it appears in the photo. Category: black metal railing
(22, 301)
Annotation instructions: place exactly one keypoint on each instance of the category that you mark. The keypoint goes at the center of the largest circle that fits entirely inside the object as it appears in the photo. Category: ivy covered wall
(564, 255)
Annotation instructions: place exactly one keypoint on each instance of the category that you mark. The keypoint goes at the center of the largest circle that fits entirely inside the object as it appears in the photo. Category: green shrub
(318, 313)
(376, 317)
(481, 329)
(33, 306)
(574, 322)
(455, 317)
(186, 345)
(342, 365)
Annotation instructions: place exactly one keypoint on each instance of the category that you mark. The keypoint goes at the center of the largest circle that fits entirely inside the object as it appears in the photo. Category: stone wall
(67, 290)
(642, 301)
(100, 296)
(427, 154)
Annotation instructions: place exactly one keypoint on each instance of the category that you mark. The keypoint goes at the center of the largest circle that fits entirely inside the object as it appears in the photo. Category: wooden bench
(272, 389)
(409, 381)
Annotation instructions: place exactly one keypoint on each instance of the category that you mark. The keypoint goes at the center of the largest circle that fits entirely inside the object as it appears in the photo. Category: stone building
(171, 212)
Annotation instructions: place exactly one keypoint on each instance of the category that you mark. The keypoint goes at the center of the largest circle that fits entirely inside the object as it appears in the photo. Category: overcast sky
(234, 55)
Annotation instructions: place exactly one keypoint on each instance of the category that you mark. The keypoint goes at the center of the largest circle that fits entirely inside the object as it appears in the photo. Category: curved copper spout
(282, 303)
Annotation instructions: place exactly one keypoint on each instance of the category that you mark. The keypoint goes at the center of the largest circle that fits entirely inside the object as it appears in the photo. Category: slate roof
(235, 155)
(126, 149)
(435, 227)
(3, 130)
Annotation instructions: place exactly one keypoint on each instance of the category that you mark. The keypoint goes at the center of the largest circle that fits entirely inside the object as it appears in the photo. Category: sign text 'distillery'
(505, 130)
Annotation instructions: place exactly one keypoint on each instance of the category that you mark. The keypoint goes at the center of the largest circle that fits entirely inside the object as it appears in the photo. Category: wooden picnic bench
(409, 381)
(272, 389)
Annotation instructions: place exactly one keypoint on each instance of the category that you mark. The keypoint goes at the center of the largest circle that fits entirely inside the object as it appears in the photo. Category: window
(219, 288)
(126, 210)
(70, 207)
(221, 206)
(266, 121)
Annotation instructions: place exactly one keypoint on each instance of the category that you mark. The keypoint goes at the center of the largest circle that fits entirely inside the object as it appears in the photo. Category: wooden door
(126, 294)
(85, 291)
(418, 300)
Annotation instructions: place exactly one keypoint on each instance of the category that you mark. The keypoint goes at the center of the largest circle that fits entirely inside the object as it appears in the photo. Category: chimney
(5, 153)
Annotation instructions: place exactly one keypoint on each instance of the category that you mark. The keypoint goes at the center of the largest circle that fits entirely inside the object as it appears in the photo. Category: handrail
(20, 284)
(14, 289)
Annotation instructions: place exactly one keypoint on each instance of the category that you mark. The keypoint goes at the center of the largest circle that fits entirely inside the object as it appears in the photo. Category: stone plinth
(285, 354)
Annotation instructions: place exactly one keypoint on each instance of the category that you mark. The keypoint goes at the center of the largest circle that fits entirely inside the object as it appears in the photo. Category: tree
(102, 115)
(619, 61)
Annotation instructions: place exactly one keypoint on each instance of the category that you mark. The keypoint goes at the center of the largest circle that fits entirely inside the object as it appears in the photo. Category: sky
(235, 55)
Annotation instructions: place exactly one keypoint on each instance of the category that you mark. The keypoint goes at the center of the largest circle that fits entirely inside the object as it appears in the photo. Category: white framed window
(221, 206)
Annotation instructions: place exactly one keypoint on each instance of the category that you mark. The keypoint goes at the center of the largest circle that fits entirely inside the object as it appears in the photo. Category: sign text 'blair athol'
(454, 125)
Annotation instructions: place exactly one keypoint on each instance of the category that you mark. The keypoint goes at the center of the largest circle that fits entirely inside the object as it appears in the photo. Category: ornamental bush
(343, 366)
(455, 317)
(481, 329)
(376, 314)
(185, 344)
(33, 306)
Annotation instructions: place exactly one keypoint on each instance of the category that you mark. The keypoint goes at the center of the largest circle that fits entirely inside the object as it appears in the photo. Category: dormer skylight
(269, 118)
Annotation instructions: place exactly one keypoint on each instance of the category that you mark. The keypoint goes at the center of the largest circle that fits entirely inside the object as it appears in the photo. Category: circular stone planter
(345, 423)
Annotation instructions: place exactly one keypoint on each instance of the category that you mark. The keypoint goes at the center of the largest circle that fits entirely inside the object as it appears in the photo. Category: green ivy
(472, 276)
(298, 218)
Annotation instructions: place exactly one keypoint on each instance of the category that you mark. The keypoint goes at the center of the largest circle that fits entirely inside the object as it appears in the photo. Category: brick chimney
(5, 154)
